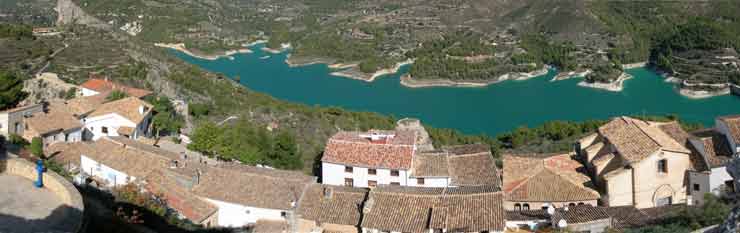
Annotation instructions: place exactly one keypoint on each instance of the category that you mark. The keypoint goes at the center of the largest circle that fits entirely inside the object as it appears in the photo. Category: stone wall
(55, 183)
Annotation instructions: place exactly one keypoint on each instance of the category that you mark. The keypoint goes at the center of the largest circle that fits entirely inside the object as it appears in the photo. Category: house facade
(369, 159)
(12, 120)
(538, 181)
(729, 126)
(714, 152)
(639, 163)
(129, 117)
(54, 124)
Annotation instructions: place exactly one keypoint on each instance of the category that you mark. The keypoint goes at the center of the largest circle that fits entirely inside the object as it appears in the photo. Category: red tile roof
(555, 178)
(733, 125)
(354, 148)
(104, 85)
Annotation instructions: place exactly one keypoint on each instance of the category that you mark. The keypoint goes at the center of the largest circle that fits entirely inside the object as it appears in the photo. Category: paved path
(25, 208)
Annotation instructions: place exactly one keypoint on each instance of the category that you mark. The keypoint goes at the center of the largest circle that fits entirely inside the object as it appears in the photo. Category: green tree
(116, 95)
(206, 138)
(285, 152)
(166, 118)
(11, 89)
(37, 147)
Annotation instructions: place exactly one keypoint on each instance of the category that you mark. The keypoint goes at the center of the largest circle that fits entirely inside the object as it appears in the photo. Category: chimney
(328, 193)
(196, 178)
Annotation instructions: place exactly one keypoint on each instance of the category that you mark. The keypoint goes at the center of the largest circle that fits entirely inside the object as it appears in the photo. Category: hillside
(461, 40)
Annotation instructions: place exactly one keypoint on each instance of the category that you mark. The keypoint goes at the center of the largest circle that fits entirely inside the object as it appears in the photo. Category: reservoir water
(488, 110)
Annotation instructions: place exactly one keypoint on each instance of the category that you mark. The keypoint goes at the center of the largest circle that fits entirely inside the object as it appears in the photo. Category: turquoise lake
(489, 110)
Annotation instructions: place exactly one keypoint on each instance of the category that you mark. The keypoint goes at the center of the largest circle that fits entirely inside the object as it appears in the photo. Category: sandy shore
(340, 66)
(634, 65)
(692, 94)
(616, 86)
(408, 81)
(353, 73)
(181, 47)
(571, 74)
(283, 47)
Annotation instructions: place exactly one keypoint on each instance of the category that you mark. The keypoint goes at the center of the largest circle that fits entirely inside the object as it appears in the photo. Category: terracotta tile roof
(252, 186)
(580, 214)
(714, 148)
(125, 158)
(473, 169)
(624, 217)
(550, 178)
(86, 104)
(527, 215)
(142, 146)
(179, 198)
(103, 85)
(465, 165)
(56, 119)
(351, 148)
(636, 139)
(430, 164)
(127, 107)
(270, 226)
(733, 125)
(406, 209)
(332, 204)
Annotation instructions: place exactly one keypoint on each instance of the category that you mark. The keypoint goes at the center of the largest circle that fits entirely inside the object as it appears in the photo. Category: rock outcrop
(70, 13)
(423, 142)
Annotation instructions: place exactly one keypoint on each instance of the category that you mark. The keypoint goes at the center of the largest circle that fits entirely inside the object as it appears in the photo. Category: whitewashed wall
(702, 179)
(112, 121)
(430, 182)
(718, 178)
(236, 215)
(110, 175)
(88, 92)
(334, 174)
(71, 136)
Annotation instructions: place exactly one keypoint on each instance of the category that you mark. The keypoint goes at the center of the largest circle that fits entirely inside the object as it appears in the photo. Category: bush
(37, 147)
(197, 109)
(17, 140)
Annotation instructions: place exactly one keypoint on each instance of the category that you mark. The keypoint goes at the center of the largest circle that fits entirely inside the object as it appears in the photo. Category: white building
(97, 86)
(128, 117)
(729, 126)
(713, 153)
(12, 120)
(54, 124)
(368, 159)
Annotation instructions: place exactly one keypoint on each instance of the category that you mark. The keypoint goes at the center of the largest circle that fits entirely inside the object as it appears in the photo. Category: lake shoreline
(182, 48)
(408, 81)
(615, 86)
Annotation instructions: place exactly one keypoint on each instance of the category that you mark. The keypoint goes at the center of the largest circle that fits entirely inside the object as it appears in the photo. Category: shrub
(37, 147)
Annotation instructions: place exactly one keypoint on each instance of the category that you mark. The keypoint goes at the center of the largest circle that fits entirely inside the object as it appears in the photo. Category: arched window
(517, 207)
(580, 203)
(525, 206)
(572, 204)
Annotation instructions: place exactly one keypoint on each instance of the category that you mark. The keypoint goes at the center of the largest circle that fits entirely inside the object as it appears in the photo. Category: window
(395, 183)
(572, 204)
(104, 129)
(696, 187)
(348, 182)
(730, 186)
(525, 206)
(283, 214)
(663, 166)
(517, 207)
(372, 183)
(664, 201)
(420, 181)
(348, 169)
(394, 172)
(580, 203)
(372, 171)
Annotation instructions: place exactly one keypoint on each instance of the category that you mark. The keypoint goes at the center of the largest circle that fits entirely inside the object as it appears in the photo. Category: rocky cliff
(70, 13)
